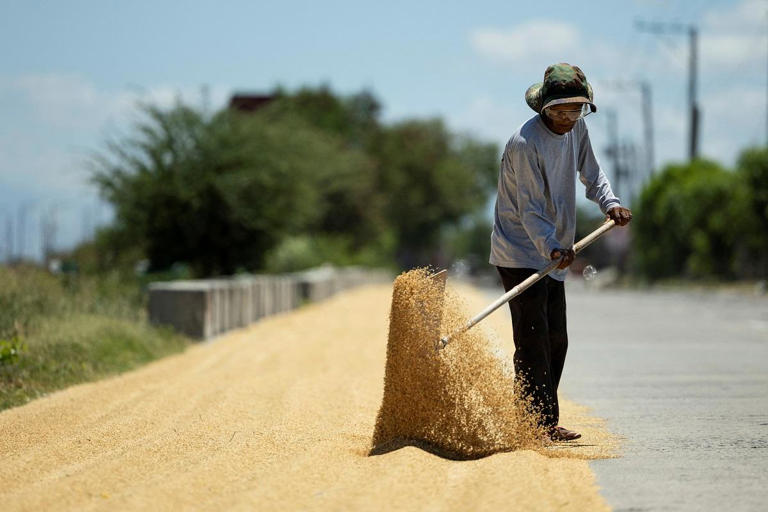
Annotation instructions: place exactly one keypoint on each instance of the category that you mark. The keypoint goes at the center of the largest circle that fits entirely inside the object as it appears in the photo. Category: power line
(644, 87)
(623, 159)
(663, 28)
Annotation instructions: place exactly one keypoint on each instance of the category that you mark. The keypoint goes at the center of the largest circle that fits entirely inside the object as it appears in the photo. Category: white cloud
(58, 120)
(748, 15)
(71, 101)
(728, 50)
(732, 36)
(533, 45)
(731, 39)
(63, 100)
(530, 41)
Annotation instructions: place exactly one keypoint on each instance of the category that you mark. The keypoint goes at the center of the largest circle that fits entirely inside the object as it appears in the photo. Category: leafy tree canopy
(701, 220)
(226, 192)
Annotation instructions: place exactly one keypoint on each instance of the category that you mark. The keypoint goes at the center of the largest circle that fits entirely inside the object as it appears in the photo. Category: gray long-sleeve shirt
(536, 203)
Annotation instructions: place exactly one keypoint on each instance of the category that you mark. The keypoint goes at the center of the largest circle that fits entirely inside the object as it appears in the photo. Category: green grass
(59, 331)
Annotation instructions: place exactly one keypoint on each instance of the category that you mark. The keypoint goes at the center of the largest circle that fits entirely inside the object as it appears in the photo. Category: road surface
(683, 376)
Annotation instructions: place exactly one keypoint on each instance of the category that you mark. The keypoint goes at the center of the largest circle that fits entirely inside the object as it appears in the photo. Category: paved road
(684, 377)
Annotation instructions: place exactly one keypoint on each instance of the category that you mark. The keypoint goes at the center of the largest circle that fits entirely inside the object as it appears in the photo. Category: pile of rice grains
(459, 402)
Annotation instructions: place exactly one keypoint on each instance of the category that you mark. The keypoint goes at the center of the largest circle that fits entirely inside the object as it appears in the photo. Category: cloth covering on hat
(563, 83)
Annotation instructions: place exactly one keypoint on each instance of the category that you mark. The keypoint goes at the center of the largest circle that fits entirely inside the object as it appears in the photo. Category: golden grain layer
(274, 417)
(459, 401)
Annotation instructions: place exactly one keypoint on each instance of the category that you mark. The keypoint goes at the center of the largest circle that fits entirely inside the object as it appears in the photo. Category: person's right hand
(567, 256)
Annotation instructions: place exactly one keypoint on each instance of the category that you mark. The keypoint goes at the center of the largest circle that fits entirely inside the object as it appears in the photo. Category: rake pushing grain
(458, 402)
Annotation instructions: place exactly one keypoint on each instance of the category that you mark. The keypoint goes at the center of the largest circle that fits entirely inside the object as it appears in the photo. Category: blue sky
(72, 72)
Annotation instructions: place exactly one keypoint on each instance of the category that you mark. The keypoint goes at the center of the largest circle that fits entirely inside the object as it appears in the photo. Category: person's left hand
(620, 215)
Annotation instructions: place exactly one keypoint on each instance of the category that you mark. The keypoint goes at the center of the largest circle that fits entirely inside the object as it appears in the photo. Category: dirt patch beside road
(276, 416)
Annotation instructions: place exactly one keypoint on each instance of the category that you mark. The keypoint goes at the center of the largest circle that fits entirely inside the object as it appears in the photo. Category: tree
(431, 179)
(354, 118)
(684, 222)
(219, 193)
(426, 178)
(353, 206)
(312, 176)
(752, 172)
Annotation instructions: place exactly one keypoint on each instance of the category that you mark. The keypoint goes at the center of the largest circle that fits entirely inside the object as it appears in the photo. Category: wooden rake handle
(520, 288)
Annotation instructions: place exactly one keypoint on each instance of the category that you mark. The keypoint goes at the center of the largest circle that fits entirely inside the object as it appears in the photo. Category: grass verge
(56, 332)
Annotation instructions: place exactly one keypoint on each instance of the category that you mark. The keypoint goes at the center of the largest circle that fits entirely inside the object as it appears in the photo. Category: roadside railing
(204, 308)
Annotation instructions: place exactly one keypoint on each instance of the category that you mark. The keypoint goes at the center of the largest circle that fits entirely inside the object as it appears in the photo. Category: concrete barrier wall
(205, 308)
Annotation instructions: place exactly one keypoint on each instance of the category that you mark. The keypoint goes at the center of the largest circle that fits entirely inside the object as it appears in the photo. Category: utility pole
(21, 227)
(623, 157)
(628, 152)
(660, 28)
(9, 239)
(693, 150)
(645, 91)
(23, 210)
(8, 246)
(86, 224)
(647, 110)
(613, 150)
(48, 229)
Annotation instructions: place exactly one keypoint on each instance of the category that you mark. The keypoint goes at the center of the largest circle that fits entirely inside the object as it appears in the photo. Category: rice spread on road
(459, 401)
(277, 416)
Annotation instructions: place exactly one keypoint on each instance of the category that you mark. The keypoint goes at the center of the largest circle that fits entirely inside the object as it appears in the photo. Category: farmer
(535, 223)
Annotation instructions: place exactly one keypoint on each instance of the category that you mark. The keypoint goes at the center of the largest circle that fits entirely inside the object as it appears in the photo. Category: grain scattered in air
(458, 402)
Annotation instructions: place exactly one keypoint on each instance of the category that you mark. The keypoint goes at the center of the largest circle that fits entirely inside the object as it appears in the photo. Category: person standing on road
(535, 223)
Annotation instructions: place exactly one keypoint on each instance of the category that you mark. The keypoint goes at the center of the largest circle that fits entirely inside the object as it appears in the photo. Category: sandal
(563, 434)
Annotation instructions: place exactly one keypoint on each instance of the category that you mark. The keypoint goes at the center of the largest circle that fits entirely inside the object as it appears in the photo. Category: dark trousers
(541, 338)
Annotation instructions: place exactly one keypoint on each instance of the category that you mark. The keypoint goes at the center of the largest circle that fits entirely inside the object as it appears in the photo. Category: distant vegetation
(56, 331)
(700, 220)
(310, 178)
